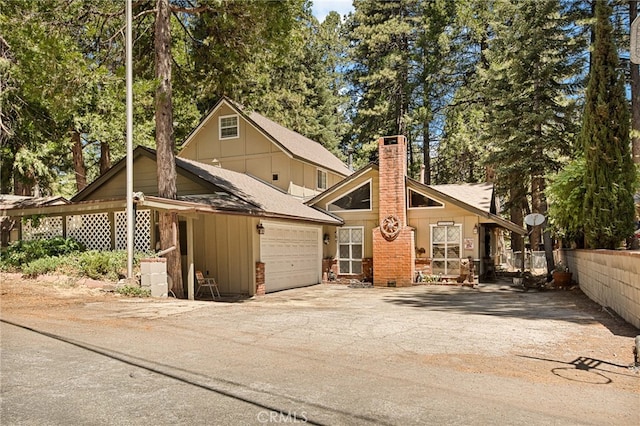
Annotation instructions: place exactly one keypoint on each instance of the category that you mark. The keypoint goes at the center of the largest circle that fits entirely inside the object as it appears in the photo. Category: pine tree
(604, 138)
(530, 81)
(381, 34)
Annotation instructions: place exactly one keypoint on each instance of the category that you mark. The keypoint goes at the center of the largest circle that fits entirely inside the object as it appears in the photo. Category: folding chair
(207, 282)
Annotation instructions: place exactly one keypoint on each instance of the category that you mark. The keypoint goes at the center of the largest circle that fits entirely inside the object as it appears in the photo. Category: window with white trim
(446, 242)
(322, 179)
(229, 127)
(417, 200)
(350, 250)
(357, 199)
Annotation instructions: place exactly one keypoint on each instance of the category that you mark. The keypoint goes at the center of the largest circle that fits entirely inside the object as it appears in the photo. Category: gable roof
(476, 198)
(263, 197)
(342, 183)
(479, 195)
(230, 192)
(293, 143)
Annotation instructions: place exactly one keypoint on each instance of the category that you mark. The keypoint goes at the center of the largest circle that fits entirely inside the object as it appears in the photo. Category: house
(394, 226)
(247, 142)
(262, 208)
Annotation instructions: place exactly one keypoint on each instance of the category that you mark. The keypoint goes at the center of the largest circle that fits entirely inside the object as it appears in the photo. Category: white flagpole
(130, 218)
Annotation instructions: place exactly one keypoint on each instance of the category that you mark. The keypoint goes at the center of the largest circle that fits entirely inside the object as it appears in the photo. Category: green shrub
(21, 253)
(41, 266)
(134, 291)
(66, 256)
(111, 265)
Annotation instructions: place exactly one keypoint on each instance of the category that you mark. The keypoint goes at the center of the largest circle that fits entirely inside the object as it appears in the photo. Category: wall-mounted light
(476, 228)
(325, 239)
(260, 228)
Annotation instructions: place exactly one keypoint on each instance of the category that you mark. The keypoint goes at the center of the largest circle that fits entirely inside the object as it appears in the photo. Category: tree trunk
(78, 161)
(166, 162)
(426, 148)
(20, 187)
(539, 205)
(635, 95)
(537, 187)
(515, 213)
(105, 157)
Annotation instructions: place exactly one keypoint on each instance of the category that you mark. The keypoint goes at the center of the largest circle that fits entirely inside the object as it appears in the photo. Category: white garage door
(292, 255)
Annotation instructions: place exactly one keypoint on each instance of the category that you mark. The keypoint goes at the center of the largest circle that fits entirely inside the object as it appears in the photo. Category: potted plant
(561, 275)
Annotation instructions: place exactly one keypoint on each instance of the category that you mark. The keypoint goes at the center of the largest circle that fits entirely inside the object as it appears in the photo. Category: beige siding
(350, 186)
(368, 219)
(422, 219)
(259, 144)
(225, 251)
(144, 180)
(255, 154)
(282, 165)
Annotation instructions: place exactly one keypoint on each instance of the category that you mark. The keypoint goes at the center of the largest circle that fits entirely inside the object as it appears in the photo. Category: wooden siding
(368, 219)
(225, 250)
(422, 219)
(254, 154)
(144, 180)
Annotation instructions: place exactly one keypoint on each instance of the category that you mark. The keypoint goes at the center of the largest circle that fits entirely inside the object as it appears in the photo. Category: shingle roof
(478, 195)
(9, 201)
(293, 143)
(249, 193)
(300, 146)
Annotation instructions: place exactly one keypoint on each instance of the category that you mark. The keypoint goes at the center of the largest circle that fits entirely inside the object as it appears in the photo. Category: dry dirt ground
(493, 333)
(608, 339)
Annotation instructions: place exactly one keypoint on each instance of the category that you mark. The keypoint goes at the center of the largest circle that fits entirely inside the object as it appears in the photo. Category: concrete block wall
(610, 278)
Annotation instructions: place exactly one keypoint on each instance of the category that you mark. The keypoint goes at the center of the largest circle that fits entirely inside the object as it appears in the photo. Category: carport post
(190, 283)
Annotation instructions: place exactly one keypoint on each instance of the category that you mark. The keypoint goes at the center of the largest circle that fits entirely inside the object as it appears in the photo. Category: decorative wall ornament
(390, 227)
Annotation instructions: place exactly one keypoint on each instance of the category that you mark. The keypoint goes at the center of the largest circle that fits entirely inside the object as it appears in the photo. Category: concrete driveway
(327, 354)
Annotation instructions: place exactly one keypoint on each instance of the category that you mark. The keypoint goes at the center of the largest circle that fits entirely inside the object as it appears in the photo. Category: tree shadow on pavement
(571, 306)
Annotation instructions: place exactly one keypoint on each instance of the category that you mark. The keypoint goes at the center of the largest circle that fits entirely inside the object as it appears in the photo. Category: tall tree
(435, 62)
(381, 34)
(530, 83)
(462, 148)
(165, 145)
(610, 174)
(635, 93)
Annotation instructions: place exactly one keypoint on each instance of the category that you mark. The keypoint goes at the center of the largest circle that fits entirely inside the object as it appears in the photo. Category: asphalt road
(326, 354)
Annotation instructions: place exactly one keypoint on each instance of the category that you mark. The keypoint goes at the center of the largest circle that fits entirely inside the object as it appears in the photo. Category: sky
(321, 8)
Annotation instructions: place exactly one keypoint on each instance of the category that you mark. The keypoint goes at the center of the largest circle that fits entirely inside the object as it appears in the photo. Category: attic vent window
(274, 177)
(322, 180)
(229, 128)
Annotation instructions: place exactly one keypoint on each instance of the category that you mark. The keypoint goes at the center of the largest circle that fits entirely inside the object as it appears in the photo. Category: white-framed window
(322, 179)
(358, 199)
(446, 245)
(417, 200)
(229, 127)
(350, 250)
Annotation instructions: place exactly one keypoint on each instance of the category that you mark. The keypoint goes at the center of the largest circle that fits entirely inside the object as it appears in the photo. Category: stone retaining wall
(609, 277)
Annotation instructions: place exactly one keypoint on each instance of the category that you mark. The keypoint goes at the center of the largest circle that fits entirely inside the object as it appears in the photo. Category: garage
(292, 255)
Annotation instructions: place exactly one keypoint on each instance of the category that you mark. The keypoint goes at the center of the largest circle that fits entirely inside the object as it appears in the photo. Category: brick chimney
(393, 240)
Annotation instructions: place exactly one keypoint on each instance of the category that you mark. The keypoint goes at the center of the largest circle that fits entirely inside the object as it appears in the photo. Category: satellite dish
(534, 219)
